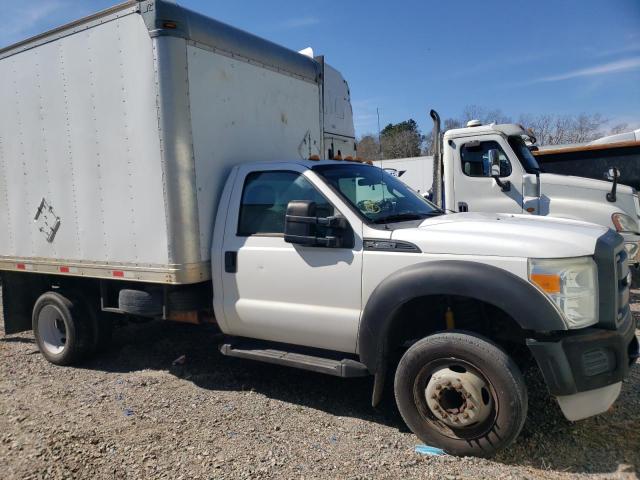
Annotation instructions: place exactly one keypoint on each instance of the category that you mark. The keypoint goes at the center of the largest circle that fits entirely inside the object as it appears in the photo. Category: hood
(583, 183)
(503, 235)
(585, 199)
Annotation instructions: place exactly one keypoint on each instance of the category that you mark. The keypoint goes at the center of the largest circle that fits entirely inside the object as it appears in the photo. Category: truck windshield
(525, 156)
(377, 195)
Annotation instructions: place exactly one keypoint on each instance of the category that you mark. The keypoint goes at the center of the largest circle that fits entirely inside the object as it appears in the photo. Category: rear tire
(61, 328)
(460, 392)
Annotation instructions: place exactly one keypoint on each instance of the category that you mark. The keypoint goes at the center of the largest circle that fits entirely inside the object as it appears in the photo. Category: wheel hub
(52, 329)
(458, 398)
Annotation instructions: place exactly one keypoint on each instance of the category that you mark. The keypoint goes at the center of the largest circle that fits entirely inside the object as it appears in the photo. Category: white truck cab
(489, 168)
(382, 267)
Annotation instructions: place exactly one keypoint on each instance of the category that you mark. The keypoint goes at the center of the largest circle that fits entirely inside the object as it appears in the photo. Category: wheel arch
(474, 280)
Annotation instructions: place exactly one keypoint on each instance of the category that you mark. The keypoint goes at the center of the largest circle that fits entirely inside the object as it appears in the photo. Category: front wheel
(460, 392)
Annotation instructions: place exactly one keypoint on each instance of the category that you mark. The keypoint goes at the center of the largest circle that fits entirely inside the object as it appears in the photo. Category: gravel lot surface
(131, 414)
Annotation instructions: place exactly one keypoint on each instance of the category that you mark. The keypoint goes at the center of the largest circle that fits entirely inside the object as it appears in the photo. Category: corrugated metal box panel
(241, 112)
(79, 129)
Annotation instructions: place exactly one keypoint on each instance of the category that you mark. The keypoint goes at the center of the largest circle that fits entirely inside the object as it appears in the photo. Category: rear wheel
(462, 393)
(61, 329)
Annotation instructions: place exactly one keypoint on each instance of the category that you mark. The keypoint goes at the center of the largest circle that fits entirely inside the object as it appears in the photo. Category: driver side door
(475, 189)
(273, 290)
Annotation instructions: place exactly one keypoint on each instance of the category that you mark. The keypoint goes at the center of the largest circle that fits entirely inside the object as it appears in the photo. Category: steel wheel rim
(52, 329)
(469, 431)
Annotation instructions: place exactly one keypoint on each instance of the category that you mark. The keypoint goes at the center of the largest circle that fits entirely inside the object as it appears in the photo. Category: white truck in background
(490, 168)
(159, 164)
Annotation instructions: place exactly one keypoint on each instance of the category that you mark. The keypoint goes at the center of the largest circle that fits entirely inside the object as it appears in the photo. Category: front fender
(515, 296)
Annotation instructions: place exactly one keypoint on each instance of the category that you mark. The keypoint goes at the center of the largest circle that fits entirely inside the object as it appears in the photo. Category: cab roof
(508, 129)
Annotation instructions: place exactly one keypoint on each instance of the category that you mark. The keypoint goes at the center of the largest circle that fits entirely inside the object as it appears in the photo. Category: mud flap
(19, 293)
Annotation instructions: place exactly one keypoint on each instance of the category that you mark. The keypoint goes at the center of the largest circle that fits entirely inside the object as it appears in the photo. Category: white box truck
(159, 164)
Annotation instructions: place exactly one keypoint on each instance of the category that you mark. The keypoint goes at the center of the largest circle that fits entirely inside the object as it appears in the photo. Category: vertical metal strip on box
(179, 176)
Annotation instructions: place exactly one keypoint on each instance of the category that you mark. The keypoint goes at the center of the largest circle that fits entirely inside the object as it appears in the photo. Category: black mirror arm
(611, 196)
(332, 222)
(505, 186)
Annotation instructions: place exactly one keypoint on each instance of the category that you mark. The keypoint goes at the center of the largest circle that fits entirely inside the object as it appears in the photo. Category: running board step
(339, 368)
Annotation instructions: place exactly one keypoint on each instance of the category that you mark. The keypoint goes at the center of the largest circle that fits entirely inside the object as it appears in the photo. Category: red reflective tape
(64, 269)
(118, 273)
(21, 266)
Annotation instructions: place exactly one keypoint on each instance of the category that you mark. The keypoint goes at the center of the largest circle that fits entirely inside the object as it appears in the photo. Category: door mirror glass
(302, 226)
(494, 160)
(495, 169)
(612, 174)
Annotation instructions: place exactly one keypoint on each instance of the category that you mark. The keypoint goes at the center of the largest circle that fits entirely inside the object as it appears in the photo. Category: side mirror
(301, 227)
(612, 175)
(494, 162)
(494, 159)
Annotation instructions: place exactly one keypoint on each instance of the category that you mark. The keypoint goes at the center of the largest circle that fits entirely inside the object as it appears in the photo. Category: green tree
(401, 140)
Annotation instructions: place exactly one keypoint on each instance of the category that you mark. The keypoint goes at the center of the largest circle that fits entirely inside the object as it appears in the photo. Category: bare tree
(562, 129)
(619, 128)
(477, 112)
(368, 147)
(540, 125)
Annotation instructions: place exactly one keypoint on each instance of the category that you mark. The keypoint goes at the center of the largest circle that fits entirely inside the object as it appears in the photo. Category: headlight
(624, 223)
(572, 284)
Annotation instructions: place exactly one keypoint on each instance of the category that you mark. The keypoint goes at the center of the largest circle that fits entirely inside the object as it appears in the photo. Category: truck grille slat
(613, 280)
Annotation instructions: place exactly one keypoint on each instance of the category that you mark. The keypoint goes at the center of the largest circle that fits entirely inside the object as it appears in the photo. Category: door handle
(463, 207)
(231, 262)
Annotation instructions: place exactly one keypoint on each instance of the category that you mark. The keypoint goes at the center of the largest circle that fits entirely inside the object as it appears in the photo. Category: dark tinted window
(475, 159)
(265, 198)
(525, 156)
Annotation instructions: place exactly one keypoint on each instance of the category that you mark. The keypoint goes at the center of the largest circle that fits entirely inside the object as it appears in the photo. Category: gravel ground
(131, 414)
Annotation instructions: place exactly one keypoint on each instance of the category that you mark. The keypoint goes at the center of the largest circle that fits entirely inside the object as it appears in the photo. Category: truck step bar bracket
(255, 351)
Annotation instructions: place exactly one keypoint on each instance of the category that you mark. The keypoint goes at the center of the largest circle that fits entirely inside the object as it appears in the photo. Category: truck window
(265, 197)
(525, 156)
(475, 159)
(377, 196)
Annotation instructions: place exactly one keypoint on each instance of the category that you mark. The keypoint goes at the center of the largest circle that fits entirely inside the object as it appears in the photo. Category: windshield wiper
(400, 217)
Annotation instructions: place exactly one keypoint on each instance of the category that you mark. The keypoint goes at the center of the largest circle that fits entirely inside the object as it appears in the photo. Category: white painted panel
(244, 113)
(79, 127)
(7, 169)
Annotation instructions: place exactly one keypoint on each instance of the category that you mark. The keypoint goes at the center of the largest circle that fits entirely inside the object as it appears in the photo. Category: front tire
(460, 392)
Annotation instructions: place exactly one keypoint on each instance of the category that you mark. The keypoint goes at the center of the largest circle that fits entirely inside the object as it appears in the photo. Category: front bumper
(576, 363)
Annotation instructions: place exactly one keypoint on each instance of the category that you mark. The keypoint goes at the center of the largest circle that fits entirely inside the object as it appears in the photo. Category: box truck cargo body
(118, 130)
